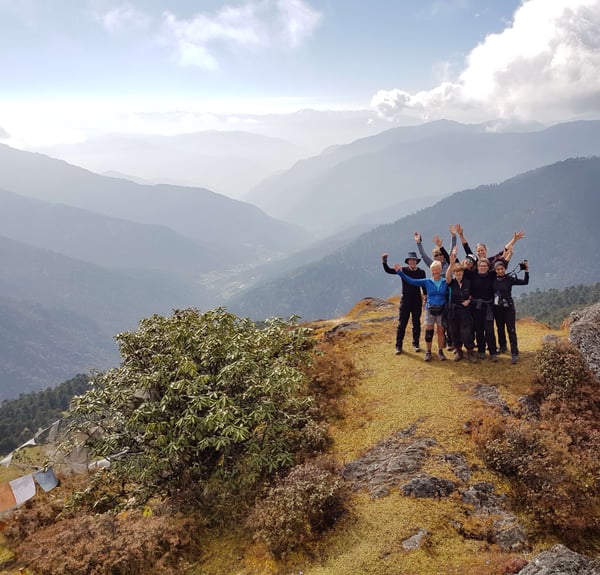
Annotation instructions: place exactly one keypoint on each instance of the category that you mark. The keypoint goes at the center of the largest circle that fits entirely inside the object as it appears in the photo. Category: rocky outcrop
(584, 333)
(397, 462)
(389, 463)
(559, 560)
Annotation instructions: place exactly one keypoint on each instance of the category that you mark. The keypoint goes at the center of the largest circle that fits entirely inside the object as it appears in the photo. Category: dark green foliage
(298, 508)
(554, 306)
(550, 448)
(204, 401)
(21, 418)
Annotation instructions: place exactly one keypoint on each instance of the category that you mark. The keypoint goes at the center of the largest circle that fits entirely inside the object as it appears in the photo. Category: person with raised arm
(504, 305)
(481, 249)
(438, 252)
(437, 289)
(411, 301)
(460, 320)
(482, 298)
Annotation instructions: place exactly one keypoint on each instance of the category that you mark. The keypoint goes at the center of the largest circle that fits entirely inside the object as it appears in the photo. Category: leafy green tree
(205, 399)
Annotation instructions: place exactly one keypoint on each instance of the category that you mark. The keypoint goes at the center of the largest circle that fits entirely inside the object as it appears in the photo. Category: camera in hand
(523, 265)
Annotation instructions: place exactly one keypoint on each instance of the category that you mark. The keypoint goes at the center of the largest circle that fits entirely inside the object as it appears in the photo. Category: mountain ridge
(441, 158)
(559, 198)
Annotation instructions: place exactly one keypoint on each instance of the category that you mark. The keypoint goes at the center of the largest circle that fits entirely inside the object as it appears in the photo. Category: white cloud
(123, 18)
(299, 20)
(255, 25)
(545, 66)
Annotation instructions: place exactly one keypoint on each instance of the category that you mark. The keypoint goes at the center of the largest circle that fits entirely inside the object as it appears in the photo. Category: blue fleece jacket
(436, 290)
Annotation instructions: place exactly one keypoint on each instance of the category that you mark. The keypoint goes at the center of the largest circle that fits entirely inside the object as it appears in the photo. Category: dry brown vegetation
(369, 394)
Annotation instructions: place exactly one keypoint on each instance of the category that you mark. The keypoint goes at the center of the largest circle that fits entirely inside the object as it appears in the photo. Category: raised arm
(426, 259)
(451, 263)
(453, 234)
(386, 267)
(516, 237)
(461, 234)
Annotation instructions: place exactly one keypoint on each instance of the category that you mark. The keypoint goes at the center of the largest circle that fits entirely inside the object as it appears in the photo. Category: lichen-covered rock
(428, 486)
(584, 333)
(560, 560)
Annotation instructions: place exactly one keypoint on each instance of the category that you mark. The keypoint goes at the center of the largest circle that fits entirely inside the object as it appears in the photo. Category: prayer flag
(7, 497)
(23, 488)
(46, 479)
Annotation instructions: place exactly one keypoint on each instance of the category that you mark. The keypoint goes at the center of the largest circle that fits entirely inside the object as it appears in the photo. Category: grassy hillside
(393, 394)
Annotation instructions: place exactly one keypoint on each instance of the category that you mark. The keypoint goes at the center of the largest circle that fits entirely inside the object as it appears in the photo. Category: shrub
(560, 369)
(131, 543)
(209, 399)
(331, 374)
(298, 508)
(551, 452)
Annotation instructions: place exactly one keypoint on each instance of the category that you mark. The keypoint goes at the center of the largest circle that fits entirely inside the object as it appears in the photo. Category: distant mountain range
(226, 162)
(239, 231)
(556, 205)
(103, 240)
(330, 191)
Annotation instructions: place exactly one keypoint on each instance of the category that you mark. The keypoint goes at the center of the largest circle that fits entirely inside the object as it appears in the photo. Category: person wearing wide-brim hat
(411, 302)
(412, 256)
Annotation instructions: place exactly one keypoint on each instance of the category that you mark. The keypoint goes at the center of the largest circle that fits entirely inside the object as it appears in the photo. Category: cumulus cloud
(544, 66)
(257, 25)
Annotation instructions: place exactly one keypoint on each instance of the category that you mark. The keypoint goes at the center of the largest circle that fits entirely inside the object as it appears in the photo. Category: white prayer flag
(23, 488)
(6, 461)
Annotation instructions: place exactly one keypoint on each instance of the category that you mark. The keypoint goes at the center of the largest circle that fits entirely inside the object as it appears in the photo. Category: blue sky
(74, 68)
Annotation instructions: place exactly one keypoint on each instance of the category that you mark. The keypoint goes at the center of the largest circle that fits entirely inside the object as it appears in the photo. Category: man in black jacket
(411, 302)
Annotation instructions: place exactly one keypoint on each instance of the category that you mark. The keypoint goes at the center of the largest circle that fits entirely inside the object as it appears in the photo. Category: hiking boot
(472, 357)
(514, 359)
(458, 355)
(398, 350)
(481, 355)
(427, 356)
(502, 349)
(494, 357)
(441, 355)
(416, 348)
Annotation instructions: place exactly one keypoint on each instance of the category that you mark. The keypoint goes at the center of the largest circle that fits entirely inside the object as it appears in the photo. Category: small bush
(331, 375)
(130, 543)
(551, 453)
(560, 369)
(299, 508)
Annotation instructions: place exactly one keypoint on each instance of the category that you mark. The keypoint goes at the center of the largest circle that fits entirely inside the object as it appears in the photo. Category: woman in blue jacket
(437, 290)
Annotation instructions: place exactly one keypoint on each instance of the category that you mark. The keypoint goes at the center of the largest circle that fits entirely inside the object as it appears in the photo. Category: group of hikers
(463, 300)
